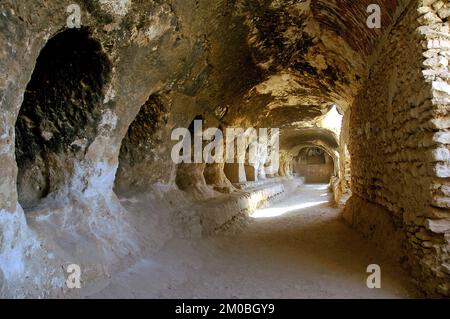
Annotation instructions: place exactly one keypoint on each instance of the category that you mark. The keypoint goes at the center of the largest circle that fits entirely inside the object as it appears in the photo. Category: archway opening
(141, 148)
(59, 115)
(189, 176)
(315, 165)
(214, 172)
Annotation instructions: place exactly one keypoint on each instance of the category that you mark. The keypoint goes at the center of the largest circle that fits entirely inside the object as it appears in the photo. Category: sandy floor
(297, 248)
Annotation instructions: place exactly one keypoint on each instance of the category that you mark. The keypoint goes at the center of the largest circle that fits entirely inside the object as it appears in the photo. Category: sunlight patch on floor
(279, 211)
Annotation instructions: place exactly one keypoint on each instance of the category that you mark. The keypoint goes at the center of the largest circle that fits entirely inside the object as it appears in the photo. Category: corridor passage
(296, 248)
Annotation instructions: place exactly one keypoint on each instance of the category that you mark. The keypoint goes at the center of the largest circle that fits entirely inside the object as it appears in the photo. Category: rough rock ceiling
(309, 55)
(292, 137)
(251, 63)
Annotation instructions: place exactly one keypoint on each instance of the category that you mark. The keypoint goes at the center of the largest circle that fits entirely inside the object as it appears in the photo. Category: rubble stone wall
(399, 146)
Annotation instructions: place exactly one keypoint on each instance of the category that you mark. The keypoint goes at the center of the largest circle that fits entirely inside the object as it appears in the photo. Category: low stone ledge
(206, 217)
(258, 183)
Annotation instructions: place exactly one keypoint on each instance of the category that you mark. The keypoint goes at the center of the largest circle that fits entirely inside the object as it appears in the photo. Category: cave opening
(190, 175)
(61, 108)
(138, 151)
(214, 172)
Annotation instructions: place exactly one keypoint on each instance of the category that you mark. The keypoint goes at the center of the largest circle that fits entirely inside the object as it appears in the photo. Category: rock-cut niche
(59, 115)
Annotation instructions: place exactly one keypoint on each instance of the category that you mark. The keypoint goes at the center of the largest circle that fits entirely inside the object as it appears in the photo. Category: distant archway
(314, 164)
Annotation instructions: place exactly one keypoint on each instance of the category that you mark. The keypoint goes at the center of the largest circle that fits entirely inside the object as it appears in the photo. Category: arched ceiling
(290, 138)
(296, 59)
(309, 55)
(344, 18)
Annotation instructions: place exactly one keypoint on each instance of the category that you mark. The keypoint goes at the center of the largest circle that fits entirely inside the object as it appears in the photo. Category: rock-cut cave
(345, 161)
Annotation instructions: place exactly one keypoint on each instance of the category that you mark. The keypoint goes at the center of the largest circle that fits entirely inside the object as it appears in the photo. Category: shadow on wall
(59, 114)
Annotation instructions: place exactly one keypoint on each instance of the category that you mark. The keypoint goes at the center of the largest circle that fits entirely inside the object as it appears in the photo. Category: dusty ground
(297, 248)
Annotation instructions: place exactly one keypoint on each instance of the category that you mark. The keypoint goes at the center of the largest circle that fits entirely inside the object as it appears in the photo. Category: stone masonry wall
(399, 146)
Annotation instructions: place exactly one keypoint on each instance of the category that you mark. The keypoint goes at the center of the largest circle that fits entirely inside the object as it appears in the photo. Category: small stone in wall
(47, 136)
(438, 226)
(444, 12)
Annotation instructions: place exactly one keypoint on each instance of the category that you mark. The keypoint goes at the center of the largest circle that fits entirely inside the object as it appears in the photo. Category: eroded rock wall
(153, 49)
(342, 185)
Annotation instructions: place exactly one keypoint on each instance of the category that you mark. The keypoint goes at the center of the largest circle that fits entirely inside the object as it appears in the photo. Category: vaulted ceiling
(304, 56)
